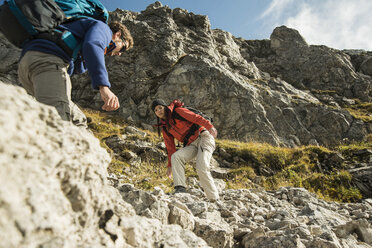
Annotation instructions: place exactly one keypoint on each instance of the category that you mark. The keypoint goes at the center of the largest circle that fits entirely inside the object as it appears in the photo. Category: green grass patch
(323, 92)
(335, 187)
(241, 178)
(258, 153)
(297, 167)
(149, 175)
(361, 111)
(294, 167)
(104, 124)
(118, 167)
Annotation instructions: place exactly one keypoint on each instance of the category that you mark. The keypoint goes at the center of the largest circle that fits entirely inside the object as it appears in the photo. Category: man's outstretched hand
(110, 99)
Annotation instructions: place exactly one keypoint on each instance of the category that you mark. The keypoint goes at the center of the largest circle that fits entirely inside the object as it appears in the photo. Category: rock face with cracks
(281, 91)
(268, 91)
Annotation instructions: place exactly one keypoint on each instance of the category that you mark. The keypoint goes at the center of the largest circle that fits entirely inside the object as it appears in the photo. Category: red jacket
(179, 128)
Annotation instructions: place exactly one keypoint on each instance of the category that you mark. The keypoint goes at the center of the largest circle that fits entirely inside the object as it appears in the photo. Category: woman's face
(160, 111)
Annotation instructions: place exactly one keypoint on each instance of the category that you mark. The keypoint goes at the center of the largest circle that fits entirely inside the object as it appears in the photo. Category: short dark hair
(125, 34)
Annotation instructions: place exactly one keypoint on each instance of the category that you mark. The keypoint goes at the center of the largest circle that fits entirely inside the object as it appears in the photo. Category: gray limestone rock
(366, 66)
(181, 217)
(215, 234)
(54, 192)
(177, 55)
(362, 179)
(9, 56)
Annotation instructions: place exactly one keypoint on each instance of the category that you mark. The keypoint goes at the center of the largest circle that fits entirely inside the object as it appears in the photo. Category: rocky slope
(54, 193)
(282, 91)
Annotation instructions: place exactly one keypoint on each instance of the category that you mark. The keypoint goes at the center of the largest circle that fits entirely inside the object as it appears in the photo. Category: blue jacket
(95, 36)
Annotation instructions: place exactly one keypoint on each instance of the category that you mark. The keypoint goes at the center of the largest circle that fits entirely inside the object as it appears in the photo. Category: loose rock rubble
(289, 217)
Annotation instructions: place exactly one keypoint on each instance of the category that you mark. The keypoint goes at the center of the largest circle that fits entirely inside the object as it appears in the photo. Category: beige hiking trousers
(45, 77)
(202, 148)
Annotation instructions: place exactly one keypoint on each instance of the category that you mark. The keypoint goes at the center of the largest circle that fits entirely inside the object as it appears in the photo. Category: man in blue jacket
(45, 68)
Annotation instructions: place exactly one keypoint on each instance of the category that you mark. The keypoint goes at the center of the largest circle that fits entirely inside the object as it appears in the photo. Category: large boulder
(54, 191)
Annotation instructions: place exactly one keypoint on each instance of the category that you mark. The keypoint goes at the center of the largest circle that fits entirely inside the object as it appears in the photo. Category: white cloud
(276, 7)
(340, 24)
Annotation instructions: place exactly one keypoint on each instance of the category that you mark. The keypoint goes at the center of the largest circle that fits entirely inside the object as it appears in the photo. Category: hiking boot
(179, 189)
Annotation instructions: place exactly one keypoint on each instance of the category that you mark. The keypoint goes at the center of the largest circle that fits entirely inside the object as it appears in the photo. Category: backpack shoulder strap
(21, 17)
(192, 129)
(177, 116)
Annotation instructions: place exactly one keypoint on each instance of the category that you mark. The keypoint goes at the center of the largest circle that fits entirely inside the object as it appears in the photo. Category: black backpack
(194, 127)
(175, 115)
(24, 20)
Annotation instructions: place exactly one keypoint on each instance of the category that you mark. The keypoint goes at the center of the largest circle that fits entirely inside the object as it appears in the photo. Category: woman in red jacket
(197, 134)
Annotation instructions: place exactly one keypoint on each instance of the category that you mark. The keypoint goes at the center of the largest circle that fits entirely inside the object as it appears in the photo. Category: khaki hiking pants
(45, 77)
(202, 148)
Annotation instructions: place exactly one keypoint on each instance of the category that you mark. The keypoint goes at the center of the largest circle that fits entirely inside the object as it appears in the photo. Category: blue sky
(340, 24)
(239, 17)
